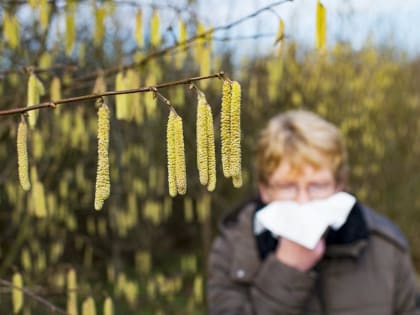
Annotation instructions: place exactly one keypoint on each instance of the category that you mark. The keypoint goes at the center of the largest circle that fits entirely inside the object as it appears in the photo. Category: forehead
(286, 171)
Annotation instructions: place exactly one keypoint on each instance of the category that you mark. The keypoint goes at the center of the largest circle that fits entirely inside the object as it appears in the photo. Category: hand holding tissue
(306, 223)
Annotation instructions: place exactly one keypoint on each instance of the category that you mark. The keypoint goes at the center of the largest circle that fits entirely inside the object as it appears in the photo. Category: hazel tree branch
(153, 88)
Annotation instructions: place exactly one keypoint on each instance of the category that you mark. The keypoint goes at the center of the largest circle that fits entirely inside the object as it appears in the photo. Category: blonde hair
(301, 137)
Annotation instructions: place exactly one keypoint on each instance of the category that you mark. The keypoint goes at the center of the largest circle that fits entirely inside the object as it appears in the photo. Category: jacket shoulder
(384, 228)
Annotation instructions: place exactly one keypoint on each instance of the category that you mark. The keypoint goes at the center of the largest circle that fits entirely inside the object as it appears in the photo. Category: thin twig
(164, 51)
(153, 88)
(47, 304)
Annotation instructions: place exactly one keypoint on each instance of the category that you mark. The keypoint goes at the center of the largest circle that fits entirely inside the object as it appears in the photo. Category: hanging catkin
(121, 100)
(206, 159)
(88, 306)
(155, 37)
(99, 26)
(72, 292)
(17, 294)
(34, 91)
(103, 186)
(108, 306)
(44, 13)
(235, 130)
(11, 30)
(321, 26)
(201, 131)
(180, 168)
(211, 151)
(22, 154)
(170, 144)
(139, 29)
(225, 127)
(70, 35)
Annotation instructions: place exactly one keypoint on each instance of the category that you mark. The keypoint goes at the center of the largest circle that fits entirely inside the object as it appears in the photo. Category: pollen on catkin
(181, 174)
(235, 130)
(103, 186)
(201, 133)
(88, 306)
(170, 144)
(225, 127)
(22, 155)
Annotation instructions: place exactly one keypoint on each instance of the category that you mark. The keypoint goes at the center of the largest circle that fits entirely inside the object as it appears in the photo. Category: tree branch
(153, 88)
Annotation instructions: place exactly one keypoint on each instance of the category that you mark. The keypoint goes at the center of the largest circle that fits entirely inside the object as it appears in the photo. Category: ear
(264, 193)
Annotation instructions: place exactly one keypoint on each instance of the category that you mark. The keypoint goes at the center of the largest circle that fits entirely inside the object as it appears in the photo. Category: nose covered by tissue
(304, 223)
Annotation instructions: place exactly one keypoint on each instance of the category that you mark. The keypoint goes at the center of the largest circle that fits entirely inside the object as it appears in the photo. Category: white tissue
(305, 224)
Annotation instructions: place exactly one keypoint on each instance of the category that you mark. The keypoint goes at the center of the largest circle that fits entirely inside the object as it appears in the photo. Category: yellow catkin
(22, 155)
(205, 63)
(201, 132)
(17, 294)
(237, 180)
(225, 127)
(235, 129)
(280, 32)
(103, 186)
(199, 43)
(55, 89)
(11, 30)
(44, 13)
(33, 4)
(99, 26)
(138, 33)
(72, 292)
(70, 35)
(171, 153)
(38, 200)
(180, 168)
(121, 100)
(34, 91)
(155, 36)
(88, 306)
(321, 26)
(108, 306)
(211, 151)
(100, 84)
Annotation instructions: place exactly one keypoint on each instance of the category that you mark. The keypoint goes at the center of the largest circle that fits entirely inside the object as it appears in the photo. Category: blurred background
(146, 250)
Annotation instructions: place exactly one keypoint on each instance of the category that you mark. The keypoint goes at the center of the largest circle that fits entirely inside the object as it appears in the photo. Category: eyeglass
(290, 191)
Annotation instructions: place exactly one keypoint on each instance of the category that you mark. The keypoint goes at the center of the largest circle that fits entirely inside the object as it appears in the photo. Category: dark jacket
(366, 270)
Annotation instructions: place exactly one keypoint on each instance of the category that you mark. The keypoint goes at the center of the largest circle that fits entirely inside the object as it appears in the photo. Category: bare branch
(52, 104)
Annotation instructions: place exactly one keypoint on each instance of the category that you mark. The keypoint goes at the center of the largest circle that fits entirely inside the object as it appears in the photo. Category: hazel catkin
(201, 134)
(225, 127)
(235, 130)
(171, 155)
(181, 176)
(103, 186)
(22, 155)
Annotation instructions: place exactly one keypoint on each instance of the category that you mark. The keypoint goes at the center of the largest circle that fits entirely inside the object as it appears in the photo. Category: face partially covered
(300, 185)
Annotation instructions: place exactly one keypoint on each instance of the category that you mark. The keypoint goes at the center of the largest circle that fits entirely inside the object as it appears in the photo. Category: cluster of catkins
(206, 157)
